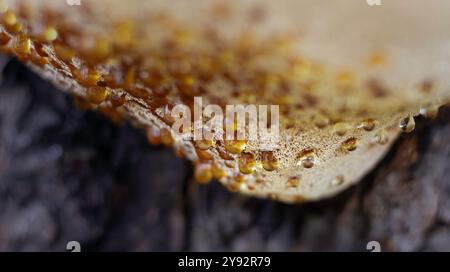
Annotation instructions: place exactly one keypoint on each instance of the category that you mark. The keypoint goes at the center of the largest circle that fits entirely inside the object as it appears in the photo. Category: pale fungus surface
(348, 77)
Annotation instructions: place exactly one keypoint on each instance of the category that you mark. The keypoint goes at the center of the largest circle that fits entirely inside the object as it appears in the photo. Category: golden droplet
(153, 135)
(341, 128)
(407, 124)
(293, 182)
(429, 110)
(367, 125)
(321, 121)
(247, 163)
(97, 95)
(50, 34)
(166, 137)
(235, 146)
(9, 18)
(381, 137)
(337, 181)
(218, 171)
(22, 45)
(269, 161)
(204, 155)
(64, 53)
(205, 144)
(306, 157)
(203, 173)
(350, 144)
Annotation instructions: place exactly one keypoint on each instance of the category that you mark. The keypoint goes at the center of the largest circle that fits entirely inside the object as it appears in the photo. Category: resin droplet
(203, 173)
(429, 111)
(341, 128)
(204, 155)
(293, 182)
(97, 95)
(367, 125)
(269, 161)
(247, 163)
(381, 137)
(218, 171)
(306, 157)
(205, 144)
(166, 137)
(350, 144)
(339, 180)
(407, 124)
(153, 135)
(235, 146)
(22, 45)
(50, 34)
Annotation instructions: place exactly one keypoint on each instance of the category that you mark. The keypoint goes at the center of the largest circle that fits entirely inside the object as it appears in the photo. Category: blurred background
(67, 174)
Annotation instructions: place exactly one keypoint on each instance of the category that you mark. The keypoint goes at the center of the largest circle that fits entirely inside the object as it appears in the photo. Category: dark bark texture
(66, 174)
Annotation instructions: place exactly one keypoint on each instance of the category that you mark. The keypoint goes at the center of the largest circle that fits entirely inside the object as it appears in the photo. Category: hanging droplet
(429, 110)
(293, 182)
(203, 173)
(204, 155)
(235, 146)
(22, 45)
(306, 157)
(247, 163)
(153, 135)
(204, 144)
(407, 124)
(367, 125)
(350, 144)
(269, 161)
(96, 95)
(218, 171)
(166, 137)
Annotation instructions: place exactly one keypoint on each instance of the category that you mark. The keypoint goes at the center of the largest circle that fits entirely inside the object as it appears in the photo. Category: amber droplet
(407, 124)
(235, 146)
(118, 100)
(4, 38)
(293, 182)
(429, 110)
(204, 155)
(321, 121)
(9, 18)
(381, 137)
(50, 34)
(64, 53)
(339, 180)
(247, 163)
(204, 144)
(367, 125)
(306, 157)
(153, 135)
(350, 144)
(91, 78)
(203, 173)
(22, 45)
(166, 137)
(97, 95)
(269, 161)
(341, 128)
(218, 171)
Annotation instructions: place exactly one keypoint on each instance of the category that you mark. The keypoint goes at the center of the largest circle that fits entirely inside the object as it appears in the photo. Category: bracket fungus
(348, 77)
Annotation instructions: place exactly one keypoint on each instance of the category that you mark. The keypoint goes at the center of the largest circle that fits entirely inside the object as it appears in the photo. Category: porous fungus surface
(347, 77)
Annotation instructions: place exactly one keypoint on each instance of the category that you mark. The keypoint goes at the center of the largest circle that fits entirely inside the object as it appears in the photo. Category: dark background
(67, 174)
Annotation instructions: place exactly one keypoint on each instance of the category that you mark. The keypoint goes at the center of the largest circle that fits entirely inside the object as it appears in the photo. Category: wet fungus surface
(342, 101)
